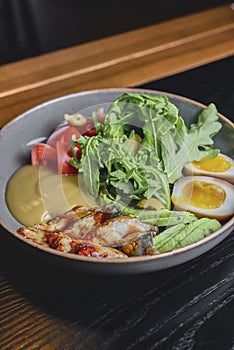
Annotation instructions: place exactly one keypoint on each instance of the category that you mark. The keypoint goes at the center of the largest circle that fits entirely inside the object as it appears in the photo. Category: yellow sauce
(35, 194)
(202, 194)
(218, 164)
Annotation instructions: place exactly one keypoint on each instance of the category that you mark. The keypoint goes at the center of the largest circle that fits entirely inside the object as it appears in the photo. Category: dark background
(32, 27)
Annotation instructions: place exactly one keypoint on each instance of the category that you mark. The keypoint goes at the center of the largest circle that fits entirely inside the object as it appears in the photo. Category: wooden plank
(126, 59)
(114, 50)
(139, 71)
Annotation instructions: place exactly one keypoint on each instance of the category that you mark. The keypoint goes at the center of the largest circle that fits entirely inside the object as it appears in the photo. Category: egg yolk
(218, 164)
(203, 194)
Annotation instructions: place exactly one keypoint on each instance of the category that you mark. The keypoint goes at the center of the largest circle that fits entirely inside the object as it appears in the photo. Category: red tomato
(77, 150)
(42, 153)
(90, 132)
(63, 159)
(63, 134)
(84, 128)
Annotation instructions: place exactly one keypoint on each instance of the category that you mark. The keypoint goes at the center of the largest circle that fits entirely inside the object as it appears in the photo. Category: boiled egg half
(221, 166)
(204, 196)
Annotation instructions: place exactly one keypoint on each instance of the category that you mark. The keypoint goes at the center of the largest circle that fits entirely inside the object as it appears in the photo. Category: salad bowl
(36, 124)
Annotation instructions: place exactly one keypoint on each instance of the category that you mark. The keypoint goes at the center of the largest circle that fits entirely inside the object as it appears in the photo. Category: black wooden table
(190, 306)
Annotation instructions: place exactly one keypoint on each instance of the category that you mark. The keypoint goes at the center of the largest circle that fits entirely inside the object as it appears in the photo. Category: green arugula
(113, 170)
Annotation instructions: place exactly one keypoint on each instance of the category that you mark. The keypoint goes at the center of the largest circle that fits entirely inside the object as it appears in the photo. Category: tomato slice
(63, 134)
(63, 159)
(42, 153)
(85, 128)
(90, 132)
(77, 151)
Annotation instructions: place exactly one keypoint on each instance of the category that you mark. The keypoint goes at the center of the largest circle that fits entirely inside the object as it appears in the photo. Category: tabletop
(189, 306)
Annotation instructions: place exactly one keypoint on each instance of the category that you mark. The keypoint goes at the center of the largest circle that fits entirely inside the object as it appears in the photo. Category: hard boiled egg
(204, 196)
(222, 166)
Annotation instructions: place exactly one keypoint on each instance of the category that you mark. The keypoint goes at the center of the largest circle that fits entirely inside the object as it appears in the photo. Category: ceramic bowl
(41, 120)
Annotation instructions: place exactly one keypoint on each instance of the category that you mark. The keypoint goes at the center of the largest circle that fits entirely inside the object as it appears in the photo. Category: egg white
(228, 175)
(225, 211)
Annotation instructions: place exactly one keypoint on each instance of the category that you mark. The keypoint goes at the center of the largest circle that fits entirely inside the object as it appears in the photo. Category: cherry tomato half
(63, 134)
(64, 166)
(90, 132)
(77, 150)
(87, 128)
(42, 153)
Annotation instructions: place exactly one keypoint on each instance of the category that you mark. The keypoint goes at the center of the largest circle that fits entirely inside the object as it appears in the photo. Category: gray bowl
(40, 121)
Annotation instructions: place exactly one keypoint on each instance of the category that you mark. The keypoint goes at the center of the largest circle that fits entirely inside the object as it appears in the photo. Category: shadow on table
(72, 295)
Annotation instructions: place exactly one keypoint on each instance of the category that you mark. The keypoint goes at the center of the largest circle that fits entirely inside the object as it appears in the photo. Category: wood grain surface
(122, 60)
(49, 307)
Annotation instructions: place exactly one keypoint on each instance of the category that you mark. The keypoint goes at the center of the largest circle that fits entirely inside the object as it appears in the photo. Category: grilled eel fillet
(94, 232)
(60, 242)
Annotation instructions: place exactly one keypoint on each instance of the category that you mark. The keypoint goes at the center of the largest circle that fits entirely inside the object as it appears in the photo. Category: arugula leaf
(90, 166)
(194, 143)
